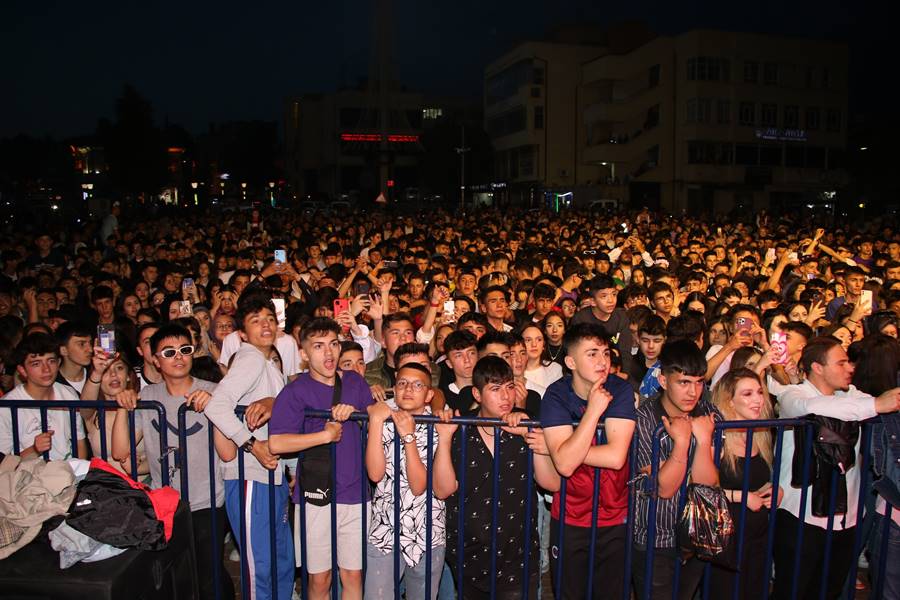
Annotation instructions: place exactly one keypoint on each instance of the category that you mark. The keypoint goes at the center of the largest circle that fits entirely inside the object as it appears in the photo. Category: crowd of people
(629, 321)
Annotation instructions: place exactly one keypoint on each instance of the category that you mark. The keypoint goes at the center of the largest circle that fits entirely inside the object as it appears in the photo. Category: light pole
(462, 169)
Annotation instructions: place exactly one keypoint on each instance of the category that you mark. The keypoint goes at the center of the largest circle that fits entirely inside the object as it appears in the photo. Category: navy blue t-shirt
(561, 405)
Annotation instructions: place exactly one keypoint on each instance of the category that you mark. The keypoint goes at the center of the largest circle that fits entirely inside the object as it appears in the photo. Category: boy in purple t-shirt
(290, 431)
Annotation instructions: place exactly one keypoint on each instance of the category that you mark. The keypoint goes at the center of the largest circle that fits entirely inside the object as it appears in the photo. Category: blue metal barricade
(73, 407)
(642, 484)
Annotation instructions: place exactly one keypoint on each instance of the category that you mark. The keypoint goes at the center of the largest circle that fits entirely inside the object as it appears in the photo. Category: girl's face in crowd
(173, 309)
(203, 269)
(534, 342)
(696, 305)
(776, 324)
(568, 309)
(798, 313)
(718, 335)
(440, 336)
(749, 399)
(845, 336)
(555, 329)
(142, 291)
(637, 278)
(114, 379)
(131, 305)
(890, 329)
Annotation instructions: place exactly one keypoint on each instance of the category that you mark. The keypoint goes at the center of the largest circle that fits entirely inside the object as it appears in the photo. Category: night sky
(64, 63)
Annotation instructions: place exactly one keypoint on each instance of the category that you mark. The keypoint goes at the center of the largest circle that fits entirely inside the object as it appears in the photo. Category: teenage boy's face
(259, 328)
(177, 366)
(589, 360)
(605, 300)
(412, 390)
(79, 350)
(682, 391)
(501, 350)
(651, 345)
(352, 360)
(462, 361)
(39, 369)
(496, 399)
(321, 352)
(518, 359)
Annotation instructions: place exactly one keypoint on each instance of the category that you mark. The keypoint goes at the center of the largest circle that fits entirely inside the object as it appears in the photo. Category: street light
(194, 185)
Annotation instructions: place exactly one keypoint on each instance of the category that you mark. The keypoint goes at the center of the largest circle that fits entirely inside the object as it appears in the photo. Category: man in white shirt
(37, 357)
(76, 348)
(826, 392)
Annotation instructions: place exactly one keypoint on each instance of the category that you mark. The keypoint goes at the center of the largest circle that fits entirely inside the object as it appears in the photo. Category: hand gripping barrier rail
(645, 483)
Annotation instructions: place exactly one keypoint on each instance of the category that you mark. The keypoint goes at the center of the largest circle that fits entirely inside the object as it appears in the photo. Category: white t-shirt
(544, 375)
(285, 344)
(78, 385)
(30, 423)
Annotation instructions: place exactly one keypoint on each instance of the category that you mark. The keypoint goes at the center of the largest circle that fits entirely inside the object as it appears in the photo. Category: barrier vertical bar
(495, 500)
(560, 538)
(651, 514)
(682, 500)
(243, 483)
(73, 427)
(181, 459)
(461, 515)
(595, 503)
(101, 425)
(529, 498)
(858, 542)
(770, 536)
(163, 442)
(397, 524)
(14, 422)
(882, 559)
(304, 570)
(429, 493)
(273, 553)
(742, 520)
(212, 508)
(132, 444)
(43, 411)
(829, 532)
(804, 490)
(335, 571)
(629, 530)
(364, 495)
(718, 441)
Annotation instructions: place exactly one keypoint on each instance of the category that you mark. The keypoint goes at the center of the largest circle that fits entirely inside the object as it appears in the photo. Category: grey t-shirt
(198, 444)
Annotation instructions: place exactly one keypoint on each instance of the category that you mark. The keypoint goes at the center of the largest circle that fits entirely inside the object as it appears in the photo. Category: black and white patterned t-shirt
(413, 511)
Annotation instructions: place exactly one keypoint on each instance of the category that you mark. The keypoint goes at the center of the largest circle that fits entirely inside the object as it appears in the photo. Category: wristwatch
(248, 445)
(409, 438)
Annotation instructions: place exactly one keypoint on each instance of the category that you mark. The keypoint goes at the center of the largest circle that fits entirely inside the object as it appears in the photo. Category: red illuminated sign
(390, 183)
(376, 137)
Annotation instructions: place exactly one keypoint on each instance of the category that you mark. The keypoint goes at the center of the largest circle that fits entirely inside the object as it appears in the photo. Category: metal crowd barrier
(639, 485)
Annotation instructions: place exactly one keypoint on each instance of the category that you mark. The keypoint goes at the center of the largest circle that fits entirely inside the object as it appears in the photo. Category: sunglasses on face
(185, 350)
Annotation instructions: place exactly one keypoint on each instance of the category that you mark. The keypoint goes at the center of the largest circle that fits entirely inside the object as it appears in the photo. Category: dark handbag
(706, 528)
(314, 465)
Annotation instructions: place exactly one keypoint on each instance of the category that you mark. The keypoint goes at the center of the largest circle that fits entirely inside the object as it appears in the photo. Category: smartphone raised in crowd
(281, 255)
(779, 345)
(341, 305)
(361, 287)
(106, 339)
(865, 298)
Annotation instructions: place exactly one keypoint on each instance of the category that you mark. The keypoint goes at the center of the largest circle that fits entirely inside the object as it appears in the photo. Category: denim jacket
(886, 458)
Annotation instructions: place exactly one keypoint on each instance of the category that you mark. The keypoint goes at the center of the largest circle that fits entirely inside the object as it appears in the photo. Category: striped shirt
(649, 417)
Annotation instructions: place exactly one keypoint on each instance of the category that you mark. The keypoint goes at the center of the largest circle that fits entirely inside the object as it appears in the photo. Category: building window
(538, 117)
(535, 92)
(826, 78)
(432, 113)
(708, 68)
(751, 71)
(653, 79)
(791, 117)
(810, 74)
(652, 119)
(507, 123)
(723, 112)
(770, 73)
(812, 118)
(747, 114)
(538, 77)
(833, 119)
(699, 110)
(768, 116)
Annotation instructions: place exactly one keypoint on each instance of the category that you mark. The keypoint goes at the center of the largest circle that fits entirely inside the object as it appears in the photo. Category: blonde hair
(722, 396)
